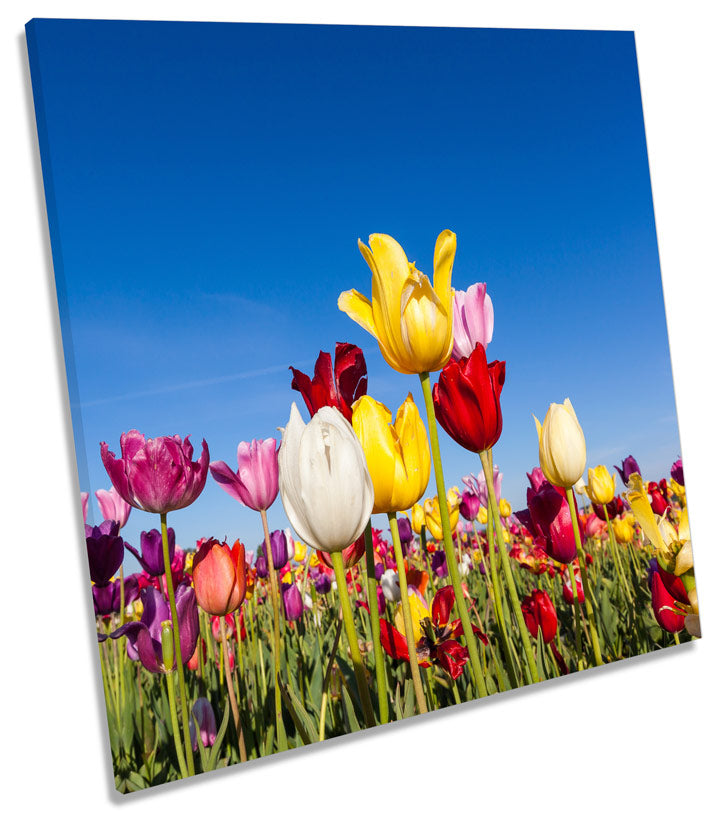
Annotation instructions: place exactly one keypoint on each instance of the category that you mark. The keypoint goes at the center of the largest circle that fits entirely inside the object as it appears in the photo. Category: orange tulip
(219, 576)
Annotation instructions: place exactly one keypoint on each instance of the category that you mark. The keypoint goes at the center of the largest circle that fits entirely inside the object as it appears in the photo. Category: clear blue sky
(209, 183)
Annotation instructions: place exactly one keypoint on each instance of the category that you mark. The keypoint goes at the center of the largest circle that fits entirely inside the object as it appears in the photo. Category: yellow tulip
(411, 319)
(678, 491)
(418, 612)
(600, 487)
(562, 445)
(314, 560)
(300, 551)
(504, 508)
(398, 455)
(432, 517)
(624, 529)
(417, 518)
(482, 515)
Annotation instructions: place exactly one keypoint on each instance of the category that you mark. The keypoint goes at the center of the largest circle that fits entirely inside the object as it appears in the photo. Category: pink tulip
(84, 501)
(256, 482)
(158, 474)
(112, 506)
(472, 320)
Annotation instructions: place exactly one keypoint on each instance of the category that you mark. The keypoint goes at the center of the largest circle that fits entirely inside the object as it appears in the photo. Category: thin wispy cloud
(189, 385)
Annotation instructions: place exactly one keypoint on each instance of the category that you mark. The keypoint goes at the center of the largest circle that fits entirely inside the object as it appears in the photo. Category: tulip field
(398, 589)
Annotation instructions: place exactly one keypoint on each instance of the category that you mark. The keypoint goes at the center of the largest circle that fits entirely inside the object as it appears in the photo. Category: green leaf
(301, 718)
(215, 753)
(350, 711)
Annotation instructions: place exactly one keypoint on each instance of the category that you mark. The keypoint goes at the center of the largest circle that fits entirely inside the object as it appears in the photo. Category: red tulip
(337, 388)
(467, 400)
(354, 552)
(539, 613)
(567, 588)
(219, 576)
(551, 516)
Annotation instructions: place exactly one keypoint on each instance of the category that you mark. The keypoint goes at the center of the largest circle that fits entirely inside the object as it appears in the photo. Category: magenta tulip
(112, 506)
(472, 320)
(255, 483)
(157, 474)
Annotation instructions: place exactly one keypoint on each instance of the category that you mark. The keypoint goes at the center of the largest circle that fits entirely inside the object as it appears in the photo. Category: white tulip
(325, 486)
(390, 585)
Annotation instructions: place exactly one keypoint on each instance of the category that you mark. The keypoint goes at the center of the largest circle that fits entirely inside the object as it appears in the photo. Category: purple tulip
(323, 584)
(106, 599)
(473, 320)
(151, 558)
(469, 505)
(144, 636)
(379, 571)
(112, 506)
(478, 486)
(157, 475)
(405, 530)
(292, 601)
(203, 712)
(84, 502)
(629, 466)
(282, 547)
(105, 551)
(256, 481)
(677, 473)
(439, 564)
(382, 603)
(261, 564)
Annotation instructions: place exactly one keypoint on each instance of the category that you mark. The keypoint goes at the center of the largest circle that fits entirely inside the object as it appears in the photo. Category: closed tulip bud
(255, 484)
(629, 467)
(624, 529)
(482, 515)
(352, 555)
(112, 506)
(390, 586)
(417, 518)
(580, 487)
(292, 602)
(504, 508)
(404, 530)
(166, 642)
(677, 473)
(539, 614)
(150, 556)
(469, 506)
(562, 445)
(105, 550)
(204, 716)
(398, 455)
(411, 319)
(473, 320)
(219, 577)
(320, 461)
(600, 485)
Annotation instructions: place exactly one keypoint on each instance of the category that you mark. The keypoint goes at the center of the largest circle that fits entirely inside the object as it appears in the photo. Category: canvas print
(368, 372)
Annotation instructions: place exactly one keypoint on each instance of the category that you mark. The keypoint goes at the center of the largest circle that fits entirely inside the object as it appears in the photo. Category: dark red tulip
(338, 387)
(467, 400)
(567, 588)
(354, 552)
(105, 550)
(658, 501)
(677, 473)
(550, 513)
(539, 613)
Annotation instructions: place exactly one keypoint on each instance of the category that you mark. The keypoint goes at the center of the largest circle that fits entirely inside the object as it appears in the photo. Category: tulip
(438, 564)
(467, 400)
(677, 473)
(417, 518)
(151, 558)
(504, 508)
(255, 484)
(616, 506)
(144, 641)
(540, 614)
(319, 461)
(658, 502)
(478, 485)
(411, 319)
(624, 529)
(292, 602)
(552, 519)
(432, 517)
(323, 583)
(300, 552)
(536, 478)
(390, 586)
(352, 555)
(601, 485)
(204, 716)
(398, 455)
(472, 320)
(405, 531)
(105, 551)
(219, 577)
(629, 467)
(106, 599)
(112, 506)
(469, 505)
(339, 387)
(562, 445)
(567, 588)
(580, 487)
(84, 503)
(157, 475)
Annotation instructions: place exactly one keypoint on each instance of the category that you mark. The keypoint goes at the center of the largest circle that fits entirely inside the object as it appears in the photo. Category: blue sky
(208, 183)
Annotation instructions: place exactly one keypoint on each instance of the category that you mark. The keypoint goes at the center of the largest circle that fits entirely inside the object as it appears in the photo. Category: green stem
(616, 557)
(486, 460)
(231, 693)
(279, 724)
(407, 615)
(380, 674)
(326, 679)
(470, 640)
(583, 574)
(174, 722)
(176, 640)
(351, 635)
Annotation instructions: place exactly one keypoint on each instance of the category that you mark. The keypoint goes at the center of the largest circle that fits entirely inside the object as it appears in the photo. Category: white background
(640, 736)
